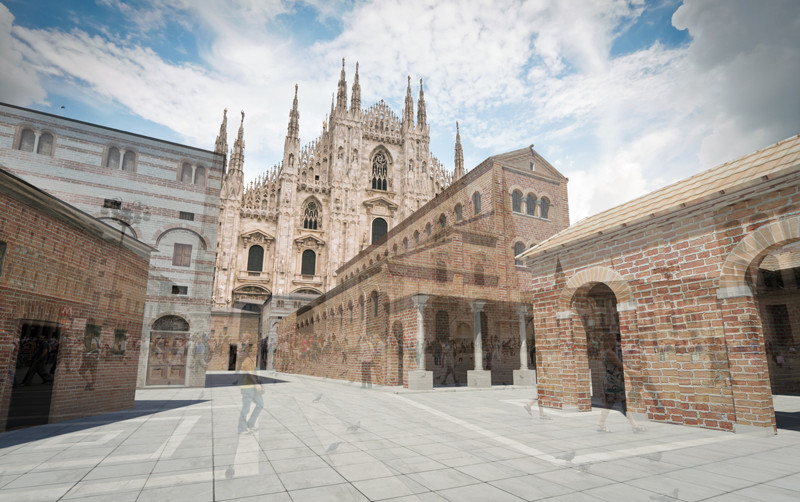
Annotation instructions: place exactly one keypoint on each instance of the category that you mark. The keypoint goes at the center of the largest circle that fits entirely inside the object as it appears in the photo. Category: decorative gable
(257, 237)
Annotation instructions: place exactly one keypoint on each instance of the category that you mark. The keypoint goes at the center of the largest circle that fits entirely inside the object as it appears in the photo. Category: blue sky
(622, 96)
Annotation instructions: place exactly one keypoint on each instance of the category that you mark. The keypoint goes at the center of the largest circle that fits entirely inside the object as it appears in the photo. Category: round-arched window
(379, 229)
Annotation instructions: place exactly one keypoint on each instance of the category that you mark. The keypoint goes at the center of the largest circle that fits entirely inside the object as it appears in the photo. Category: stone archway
(169, 337)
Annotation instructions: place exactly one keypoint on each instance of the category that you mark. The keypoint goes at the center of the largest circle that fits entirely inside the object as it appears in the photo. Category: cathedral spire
(355, 99)
(237, 157)
(408, 112)
(331, 115)
(221, 145)
(459, 169)
(341, 98)
(294, 118)
(422, 117)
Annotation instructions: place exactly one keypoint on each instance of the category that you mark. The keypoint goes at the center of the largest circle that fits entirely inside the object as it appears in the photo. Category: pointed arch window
(459, 209)
(380, 171)
(255, 259)
(530, 205)
(45, 144)
(311, 216)
(442, 220)
(26, 140)
(309, 266)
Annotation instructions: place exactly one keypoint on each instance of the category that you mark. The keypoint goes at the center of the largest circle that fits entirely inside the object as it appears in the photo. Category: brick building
(699, 279)
(72, 299)
(443, 283)
(162, 193)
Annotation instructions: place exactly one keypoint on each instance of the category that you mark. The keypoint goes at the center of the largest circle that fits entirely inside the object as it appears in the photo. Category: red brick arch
(752, 248)
(610, 277)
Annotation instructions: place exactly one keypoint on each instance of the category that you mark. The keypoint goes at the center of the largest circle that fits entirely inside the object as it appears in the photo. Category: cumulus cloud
(19, 83)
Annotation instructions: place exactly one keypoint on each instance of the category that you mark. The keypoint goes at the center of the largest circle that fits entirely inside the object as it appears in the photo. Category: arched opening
(169, 338)
(544, 207)
(476, 202)
(311, 216)
(518, 250)
(26, 140)
(530, 205)
(380, 171)
(199, 176)
(516, 201)
(129, 161)
(309, 263)
(255, 258)
(112, 159)
(45, 146)
(379, 229)
(459, 209)
(186, 173)
(777, 293)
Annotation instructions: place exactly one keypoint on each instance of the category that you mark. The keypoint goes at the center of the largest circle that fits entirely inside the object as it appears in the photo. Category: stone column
(478, 377)
(523, 376)
(419, 379)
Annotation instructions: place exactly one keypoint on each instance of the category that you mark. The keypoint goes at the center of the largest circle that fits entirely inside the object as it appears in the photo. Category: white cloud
(19, 83)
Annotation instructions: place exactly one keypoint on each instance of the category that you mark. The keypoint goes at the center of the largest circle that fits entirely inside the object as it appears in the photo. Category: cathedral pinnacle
(221, 145)
(355, 99)
(422, 117)
(237, 157)
(294, 117)
(341, 98)
(408, 112)
(458, 172)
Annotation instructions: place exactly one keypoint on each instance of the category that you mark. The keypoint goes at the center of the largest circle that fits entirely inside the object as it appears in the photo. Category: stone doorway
(168, 351)
(34, 376)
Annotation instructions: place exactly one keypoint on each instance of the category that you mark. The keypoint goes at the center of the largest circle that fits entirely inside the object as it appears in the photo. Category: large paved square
(319, 440)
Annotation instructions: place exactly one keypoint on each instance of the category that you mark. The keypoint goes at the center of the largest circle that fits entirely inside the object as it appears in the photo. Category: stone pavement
(327, 441)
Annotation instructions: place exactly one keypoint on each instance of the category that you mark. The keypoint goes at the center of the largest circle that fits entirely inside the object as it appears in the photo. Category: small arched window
(45, 144)
(405, 243)
(374, 304)
(311, 216)
(428, 229)
(26, 140)
(416, 236)
(112, 160)
(459, 209)
(309, 266)
(476, 202)
(129, 161)
(530, 204)
(479, 279)
(380, 171)
(518, 249)
(186, 173)
(544, 207)
(200, 176)
(442, 220)
(516, 201)
(255, 259)
(379, 229)
(441, 272)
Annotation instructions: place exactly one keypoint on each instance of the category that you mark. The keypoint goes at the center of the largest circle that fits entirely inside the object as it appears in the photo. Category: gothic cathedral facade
(288, 231)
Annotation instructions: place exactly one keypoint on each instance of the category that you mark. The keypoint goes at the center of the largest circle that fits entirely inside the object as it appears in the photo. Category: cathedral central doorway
(34, 376)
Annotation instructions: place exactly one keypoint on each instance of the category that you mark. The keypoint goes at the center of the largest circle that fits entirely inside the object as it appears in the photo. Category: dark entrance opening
(598, 311)
(232, 358)
(33, 381)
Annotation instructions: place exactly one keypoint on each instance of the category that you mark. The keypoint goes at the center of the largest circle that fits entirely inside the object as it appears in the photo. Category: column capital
(521, 309)
(477, 306)
(419, 301)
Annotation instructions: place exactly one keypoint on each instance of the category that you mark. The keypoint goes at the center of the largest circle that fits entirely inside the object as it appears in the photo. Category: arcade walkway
(325, 441)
